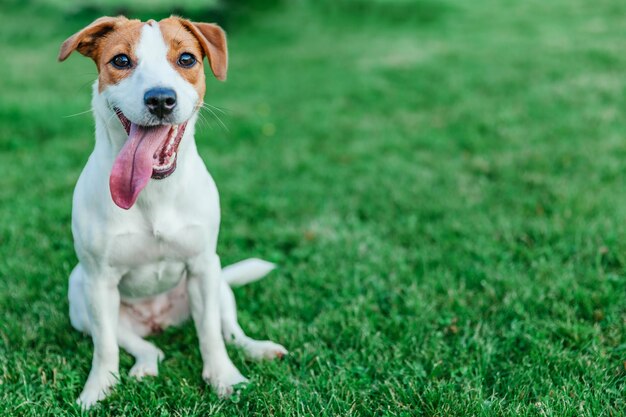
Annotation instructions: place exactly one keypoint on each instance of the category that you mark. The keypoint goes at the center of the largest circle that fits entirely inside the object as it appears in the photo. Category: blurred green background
(441, 183)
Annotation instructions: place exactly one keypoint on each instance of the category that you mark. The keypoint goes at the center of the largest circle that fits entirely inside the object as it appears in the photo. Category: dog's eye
(121, 61)
(186, 60)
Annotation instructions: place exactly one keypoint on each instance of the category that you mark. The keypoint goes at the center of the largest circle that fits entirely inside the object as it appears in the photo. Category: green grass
(441, 182)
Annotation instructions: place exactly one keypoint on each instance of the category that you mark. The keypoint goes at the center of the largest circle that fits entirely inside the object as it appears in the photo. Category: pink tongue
(132, 168)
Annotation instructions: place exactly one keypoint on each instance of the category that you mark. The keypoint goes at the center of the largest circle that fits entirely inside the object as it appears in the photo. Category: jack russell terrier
(146, 214)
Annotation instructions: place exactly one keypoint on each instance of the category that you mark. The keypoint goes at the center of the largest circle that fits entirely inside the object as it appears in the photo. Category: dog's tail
(246, 271)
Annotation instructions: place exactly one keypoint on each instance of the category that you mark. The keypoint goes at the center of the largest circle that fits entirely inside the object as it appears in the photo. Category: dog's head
(151, 75)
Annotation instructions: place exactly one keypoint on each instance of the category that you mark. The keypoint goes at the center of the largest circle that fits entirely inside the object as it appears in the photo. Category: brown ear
(213, 41)
(86, 41)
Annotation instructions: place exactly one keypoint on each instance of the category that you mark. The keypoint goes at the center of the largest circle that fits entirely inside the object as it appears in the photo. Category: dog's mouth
(149, 152)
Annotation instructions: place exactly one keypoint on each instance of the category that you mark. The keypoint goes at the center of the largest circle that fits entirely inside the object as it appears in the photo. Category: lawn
(442, 183)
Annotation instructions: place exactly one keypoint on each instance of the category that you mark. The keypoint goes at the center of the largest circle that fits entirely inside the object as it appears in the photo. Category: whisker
(78, 114)
(215, 108)
(109, 119)
(209, 107)
(202, 117)
(216, 117)
(204, 120)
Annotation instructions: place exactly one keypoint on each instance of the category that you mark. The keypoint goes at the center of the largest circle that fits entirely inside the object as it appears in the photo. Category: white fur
(156, 263)
(152, 70)
(245, 272)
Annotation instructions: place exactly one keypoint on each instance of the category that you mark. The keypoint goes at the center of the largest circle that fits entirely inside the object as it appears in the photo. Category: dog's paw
(147, 365)
(265, 350)
(143, 369)
(96, 389)
(225, 382)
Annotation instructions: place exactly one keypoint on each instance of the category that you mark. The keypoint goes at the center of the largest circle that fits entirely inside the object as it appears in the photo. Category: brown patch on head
(102, 40)
(213, 41)
(123, 40)
(178, 41)
(108, 37)
(88, 40)
(199, 39)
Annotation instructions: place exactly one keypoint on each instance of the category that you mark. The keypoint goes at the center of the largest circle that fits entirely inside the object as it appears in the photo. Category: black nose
(160, 101)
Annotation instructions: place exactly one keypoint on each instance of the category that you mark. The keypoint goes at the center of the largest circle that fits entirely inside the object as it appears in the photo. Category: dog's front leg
(204, 290)
(103, 305)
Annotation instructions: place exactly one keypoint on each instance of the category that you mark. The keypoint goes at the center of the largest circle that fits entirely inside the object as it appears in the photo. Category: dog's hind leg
(255, 349)
(147, 356)
(76, 295)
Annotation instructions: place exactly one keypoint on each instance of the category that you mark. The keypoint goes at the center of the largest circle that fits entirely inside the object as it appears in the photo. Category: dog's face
(151, 75)
(135, 57)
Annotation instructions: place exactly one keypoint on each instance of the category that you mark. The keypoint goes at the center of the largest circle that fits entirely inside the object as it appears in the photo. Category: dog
(145, 216)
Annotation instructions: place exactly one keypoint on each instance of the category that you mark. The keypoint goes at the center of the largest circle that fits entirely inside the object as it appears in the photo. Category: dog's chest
(155, 254)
